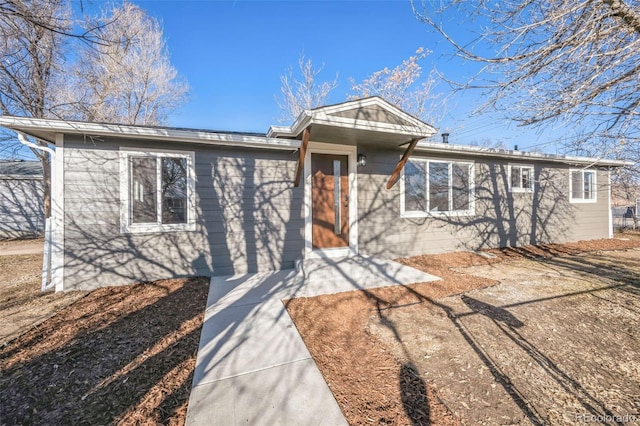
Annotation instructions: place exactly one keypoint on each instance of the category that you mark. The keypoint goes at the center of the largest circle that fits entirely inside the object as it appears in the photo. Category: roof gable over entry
(372, 113)
(371, 120)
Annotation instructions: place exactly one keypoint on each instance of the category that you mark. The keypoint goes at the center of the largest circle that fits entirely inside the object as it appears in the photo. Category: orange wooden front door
(330, 200)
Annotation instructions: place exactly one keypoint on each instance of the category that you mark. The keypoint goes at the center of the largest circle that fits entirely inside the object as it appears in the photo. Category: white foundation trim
(609, 205)
(57, 211)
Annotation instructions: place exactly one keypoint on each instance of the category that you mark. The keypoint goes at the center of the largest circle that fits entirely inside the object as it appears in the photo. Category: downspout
(49, 221)
(609, 205)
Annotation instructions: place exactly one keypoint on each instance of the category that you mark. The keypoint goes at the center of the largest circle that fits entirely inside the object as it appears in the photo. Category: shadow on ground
(119, 355)
(539, 348)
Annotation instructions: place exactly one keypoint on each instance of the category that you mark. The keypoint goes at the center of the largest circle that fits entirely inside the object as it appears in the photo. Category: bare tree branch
(404, 87)
(122, 71)
(573, 61)
(129, 81)
(304, 92)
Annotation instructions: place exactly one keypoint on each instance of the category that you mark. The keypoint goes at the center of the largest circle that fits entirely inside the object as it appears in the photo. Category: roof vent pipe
(445, 138)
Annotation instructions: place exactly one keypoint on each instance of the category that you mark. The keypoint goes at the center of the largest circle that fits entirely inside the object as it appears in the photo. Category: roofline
(31, 125)
(306, 118)
(442, 148)
(378, 100)
(294, 129)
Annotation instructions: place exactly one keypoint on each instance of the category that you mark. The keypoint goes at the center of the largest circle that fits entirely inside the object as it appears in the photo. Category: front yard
(121, 355)
(543, 335)
(539, 335)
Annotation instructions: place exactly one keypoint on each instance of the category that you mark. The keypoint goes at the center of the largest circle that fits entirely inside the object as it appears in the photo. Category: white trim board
(325, 116)
(57, 211)
(45, 128)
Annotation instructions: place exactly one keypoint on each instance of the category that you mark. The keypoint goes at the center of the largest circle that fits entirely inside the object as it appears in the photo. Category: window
(520, 178)
(156, 191)
(431, 187)
(582, 186)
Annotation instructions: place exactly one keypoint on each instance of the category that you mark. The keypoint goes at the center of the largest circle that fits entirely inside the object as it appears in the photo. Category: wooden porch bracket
(396, 172)
(302, 152)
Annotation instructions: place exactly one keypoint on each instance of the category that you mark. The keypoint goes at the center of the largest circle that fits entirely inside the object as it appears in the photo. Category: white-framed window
(157, 190)
(520, 178)
(436, 187)
(582, 186)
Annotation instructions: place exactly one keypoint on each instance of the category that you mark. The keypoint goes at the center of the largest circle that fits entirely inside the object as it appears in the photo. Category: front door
(330, 200)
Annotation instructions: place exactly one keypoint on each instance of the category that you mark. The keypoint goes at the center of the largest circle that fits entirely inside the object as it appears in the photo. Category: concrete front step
(328, 276)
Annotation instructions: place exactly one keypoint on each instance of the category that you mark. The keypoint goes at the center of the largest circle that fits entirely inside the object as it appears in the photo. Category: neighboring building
(134, 203)
(21, 199)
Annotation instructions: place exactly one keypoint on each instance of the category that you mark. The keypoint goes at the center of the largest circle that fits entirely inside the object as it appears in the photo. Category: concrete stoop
(329, 276)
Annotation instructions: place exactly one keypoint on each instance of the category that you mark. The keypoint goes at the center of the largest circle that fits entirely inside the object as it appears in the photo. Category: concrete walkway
(252, 365)
(19, 247)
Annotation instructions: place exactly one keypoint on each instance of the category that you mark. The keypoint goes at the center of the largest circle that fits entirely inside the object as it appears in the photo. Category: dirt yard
(121, 355)
(22, 304)
(536, 335)
(532, 335)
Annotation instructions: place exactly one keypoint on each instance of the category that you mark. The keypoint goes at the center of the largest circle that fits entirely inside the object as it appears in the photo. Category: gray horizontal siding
(249, 216)
(501, 218)
(21, 207)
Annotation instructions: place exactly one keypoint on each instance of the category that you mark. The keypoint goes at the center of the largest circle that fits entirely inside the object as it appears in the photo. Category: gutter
(440, 148)
(24, 125)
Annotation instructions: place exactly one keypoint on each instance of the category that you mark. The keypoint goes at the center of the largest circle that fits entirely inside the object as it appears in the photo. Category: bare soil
(391, 356)
(22, 304)
(121, 355)
(22, 246)
(533, 335)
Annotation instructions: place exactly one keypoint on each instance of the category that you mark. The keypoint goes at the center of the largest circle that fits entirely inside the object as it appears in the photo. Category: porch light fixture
(362, 160)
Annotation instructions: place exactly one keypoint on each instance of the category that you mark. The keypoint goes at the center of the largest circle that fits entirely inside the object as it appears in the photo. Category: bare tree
(31, 43)
(130, 80)
(403, 87)
(35, 14)
(122, 72)
(576, 62)
(301, 93)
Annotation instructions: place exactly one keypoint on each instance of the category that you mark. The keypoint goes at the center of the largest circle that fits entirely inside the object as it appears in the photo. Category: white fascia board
(377, 101)
(324, 116)
(373, 126)
(291, 131)
(279, 131)
(399, 112)
(442, 148)
(148, 133)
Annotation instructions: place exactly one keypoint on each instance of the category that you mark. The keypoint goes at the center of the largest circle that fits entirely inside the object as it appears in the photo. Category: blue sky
(233, 53)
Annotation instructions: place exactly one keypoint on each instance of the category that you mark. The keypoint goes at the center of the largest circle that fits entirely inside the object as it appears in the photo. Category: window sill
(583, 201)
(521, 190)
(157, 229)
(414, 215)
